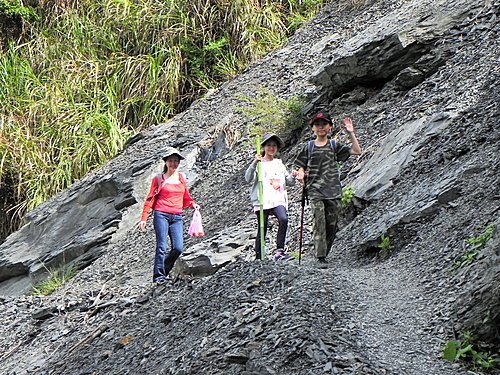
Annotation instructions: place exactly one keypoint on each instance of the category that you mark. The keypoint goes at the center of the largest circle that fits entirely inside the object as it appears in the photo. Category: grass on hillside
(86, 75)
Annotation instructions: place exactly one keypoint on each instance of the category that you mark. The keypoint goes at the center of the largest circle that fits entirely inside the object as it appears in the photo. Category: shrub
(385, 246)
(347, 195)
(474, 245)
(271, 114)
(14, 9)
(464, 350)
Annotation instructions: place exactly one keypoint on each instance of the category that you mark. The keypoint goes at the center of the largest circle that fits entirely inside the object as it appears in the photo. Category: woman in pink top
(167, 198)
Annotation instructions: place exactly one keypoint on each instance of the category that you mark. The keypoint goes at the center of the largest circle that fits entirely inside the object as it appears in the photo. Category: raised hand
(348, 125)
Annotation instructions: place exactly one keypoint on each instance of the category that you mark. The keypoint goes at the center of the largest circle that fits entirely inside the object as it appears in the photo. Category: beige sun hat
(172, 151)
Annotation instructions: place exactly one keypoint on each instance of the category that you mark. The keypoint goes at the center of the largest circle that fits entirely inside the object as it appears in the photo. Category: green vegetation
(385, 246)
(347, 195)
(14, 9)
(464, 349)
(295, 254)
(271, 114)
(86, 75)
(480, 241)
(475, 244)
(56, 279)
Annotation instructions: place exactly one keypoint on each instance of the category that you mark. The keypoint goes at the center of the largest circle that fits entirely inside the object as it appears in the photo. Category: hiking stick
(302, 206)
(261, 204)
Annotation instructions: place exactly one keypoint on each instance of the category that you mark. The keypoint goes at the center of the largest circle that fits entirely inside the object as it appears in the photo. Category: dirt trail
(393, 319)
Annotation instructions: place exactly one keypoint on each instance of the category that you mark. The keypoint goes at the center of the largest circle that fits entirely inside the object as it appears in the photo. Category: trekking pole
(261, 204)
(302, 206)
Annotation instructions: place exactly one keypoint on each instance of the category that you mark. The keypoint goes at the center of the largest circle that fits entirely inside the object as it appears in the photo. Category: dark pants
(325, 219)
(282, 216)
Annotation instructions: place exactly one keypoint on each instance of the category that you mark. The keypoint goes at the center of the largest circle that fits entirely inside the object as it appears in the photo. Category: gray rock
(429, 175)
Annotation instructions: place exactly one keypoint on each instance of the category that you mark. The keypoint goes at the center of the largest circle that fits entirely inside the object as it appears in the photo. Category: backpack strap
(182, 179)
(310, 148)
(158, 183)
(333, 145)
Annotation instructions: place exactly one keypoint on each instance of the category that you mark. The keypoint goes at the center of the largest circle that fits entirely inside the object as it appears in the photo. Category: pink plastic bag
(196, 228)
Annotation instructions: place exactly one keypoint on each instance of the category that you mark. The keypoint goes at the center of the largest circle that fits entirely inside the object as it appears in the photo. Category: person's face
(271, 147)
(321, 127)
(172, 162)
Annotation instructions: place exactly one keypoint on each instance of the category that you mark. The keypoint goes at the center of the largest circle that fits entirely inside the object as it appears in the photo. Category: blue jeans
(171, 225)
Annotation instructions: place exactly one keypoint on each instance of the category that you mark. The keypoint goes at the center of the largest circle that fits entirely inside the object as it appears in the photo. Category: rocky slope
(420, 79)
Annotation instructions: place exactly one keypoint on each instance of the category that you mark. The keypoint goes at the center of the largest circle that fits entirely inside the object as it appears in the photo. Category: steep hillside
(420, 80)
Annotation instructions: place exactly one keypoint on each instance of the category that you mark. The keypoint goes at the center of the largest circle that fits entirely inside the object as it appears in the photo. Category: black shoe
(322, 263)
(160, 284)
(159, 287)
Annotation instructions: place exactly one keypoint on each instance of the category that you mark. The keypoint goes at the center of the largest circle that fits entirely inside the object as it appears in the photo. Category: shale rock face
(404, 49)
(420, 80)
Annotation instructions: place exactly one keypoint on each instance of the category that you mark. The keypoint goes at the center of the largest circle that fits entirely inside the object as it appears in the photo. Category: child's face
(321, 127)
(271, 147)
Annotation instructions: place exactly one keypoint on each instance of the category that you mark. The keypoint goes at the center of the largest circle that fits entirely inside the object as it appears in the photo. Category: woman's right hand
(142, 225)
(258, 158)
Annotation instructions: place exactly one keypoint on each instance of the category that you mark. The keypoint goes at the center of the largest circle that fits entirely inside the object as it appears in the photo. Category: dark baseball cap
(172, 151)
(267, 137)
(321, 116)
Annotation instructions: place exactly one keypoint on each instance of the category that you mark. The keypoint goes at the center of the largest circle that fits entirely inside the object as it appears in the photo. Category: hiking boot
(322, 263)
(160, 285)
(160, 281)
